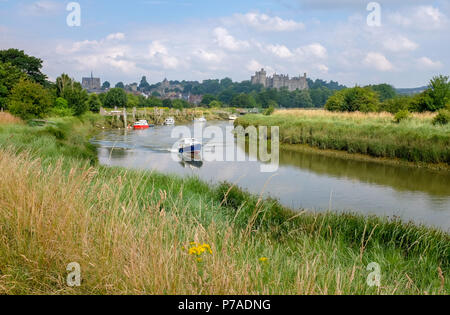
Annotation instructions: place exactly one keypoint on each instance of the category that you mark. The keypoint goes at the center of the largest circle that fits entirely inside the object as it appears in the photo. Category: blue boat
(189, 145)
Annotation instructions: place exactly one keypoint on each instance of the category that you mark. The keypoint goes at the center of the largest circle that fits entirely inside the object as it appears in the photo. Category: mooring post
(125, 118)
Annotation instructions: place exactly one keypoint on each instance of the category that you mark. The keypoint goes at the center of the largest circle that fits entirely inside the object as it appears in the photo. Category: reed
(7, 119)
(375, 134)
(137, 232)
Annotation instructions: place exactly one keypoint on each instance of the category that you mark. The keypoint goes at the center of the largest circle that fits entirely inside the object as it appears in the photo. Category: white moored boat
(169, 121)
(232, 117)
(201, 119)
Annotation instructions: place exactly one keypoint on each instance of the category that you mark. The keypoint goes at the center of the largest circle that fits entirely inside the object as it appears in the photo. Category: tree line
(383, 98)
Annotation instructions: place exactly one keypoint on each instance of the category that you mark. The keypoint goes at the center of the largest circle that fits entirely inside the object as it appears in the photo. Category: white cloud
(322, 68)
(314, 50)
(280, 51)
(225, 40)
(378, 61)
(92, 55)
(116, 36)
(420, 17)
(160, 54)
(427, 63)
(264, 22)
(399, 43)
(208, 56)
(254, 66)
(40, 8)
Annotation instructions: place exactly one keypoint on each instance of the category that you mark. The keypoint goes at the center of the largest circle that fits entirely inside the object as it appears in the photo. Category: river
(304, 180)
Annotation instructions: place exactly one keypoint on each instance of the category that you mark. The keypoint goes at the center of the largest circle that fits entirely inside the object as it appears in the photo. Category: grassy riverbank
(134, 232)
(415, 140)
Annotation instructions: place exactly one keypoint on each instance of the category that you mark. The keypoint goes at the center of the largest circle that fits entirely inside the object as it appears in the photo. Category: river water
(304, 180)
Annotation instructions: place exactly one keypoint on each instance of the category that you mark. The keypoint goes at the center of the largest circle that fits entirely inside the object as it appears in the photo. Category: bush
(269, 111)
(442, 118)
(354, 99)
(61, 108)
(29, 100)
(401, 115)
(116, 97)
(396, 104)
(94, 103)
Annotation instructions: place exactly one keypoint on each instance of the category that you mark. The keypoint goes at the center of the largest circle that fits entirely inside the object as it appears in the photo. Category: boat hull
(195, 148)
(141, 127)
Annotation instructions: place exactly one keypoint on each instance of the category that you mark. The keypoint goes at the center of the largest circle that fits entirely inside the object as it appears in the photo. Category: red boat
(141, 124)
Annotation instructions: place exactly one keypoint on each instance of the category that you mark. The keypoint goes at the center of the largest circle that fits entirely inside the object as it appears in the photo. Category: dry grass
(7, 119)
(128, 241)
(349, 115)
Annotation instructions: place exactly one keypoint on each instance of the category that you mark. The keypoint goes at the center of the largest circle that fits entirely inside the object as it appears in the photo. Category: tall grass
(415, 139)
(7, 118)
(131, 232)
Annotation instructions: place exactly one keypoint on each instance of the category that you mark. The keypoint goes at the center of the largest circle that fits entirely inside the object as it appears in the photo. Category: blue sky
(197, 39)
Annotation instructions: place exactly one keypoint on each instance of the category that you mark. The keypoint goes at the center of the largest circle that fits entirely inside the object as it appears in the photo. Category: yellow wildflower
(263, 259)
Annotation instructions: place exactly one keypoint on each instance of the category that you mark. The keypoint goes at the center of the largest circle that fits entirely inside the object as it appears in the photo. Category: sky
(209, 39)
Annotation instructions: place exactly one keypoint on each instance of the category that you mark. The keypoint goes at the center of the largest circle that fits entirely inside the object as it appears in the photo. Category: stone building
(278, 81)
(91, 84)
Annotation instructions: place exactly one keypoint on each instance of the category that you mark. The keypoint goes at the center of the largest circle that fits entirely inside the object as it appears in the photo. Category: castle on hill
(278, 81)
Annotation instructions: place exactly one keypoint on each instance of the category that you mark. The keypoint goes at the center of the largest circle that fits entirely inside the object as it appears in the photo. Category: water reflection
(193, 160)
(304, 179)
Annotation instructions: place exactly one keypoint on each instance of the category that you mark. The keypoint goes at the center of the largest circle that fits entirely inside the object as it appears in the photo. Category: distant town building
(91, 84)
(280, 81)
(195, 99)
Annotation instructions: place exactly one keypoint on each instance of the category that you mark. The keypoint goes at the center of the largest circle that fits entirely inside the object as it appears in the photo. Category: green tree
(207, 99)
(303, 99)
(9, 77)
(132, 100)
(116, 97)
(385, 91)
(61, 108)
(215, 104)
(77, 98)
(144, 86)
(73, 92)
(360, 99)
(63, 84)
(154, 102)
(120, 85)
(336, 102)
(439, 92)
(106, 85)
(178, 104)
(422, 102)
(94, 103)
(167, 103)
(29, 65)
(29, 100)
(396, 104)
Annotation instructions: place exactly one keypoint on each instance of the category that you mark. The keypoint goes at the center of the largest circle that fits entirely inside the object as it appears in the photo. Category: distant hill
(411, 91)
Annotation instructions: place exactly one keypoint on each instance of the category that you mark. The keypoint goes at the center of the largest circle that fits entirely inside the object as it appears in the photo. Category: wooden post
(125, 118)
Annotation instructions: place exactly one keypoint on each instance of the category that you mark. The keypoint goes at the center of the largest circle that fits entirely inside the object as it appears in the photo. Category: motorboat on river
(189, 146)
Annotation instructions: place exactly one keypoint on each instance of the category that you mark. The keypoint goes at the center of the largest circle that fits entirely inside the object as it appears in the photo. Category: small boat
(190, 145)
(169, 121)
(201, 119)
(232, 117)
(141, 124)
